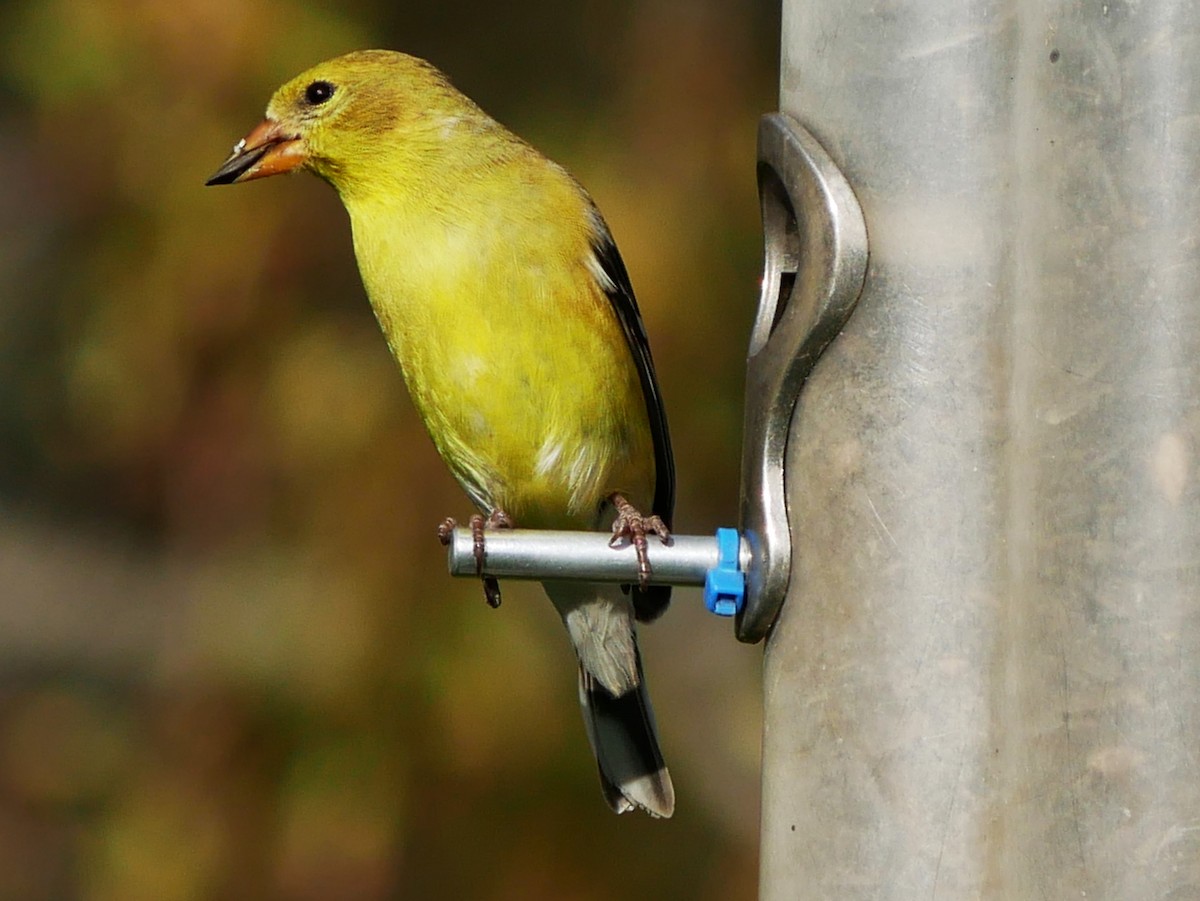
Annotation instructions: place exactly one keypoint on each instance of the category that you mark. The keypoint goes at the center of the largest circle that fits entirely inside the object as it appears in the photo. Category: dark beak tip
(230, 170)
(242, 160)
(221, 178)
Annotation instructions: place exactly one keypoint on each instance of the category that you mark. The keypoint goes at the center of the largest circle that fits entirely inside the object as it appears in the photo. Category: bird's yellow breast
(513, 355)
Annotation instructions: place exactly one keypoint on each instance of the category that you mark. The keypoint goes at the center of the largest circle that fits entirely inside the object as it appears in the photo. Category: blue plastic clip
(725, 583)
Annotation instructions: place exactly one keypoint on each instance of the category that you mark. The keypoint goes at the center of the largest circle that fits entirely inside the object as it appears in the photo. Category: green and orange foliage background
(231, 662)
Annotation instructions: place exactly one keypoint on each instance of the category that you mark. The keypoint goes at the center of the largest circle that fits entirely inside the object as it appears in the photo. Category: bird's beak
(267, 150)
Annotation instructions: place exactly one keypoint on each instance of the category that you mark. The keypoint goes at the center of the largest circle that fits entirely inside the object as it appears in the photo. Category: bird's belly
(518, 366)
(538, 428)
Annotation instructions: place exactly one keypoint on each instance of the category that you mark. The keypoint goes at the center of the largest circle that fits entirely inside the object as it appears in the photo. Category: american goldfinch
(504, 300)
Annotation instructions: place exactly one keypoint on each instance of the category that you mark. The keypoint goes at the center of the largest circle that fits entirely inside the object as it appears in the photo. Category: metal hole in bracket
(786, 281)
(782, 250)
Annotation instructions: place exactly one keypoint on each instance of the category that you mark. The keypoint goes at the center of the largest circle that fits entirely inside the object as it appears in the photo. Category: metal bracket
(815, 262)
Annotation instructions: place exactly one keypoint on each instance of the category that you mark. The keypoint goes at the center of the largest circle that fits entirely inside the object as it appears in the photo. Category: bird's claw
(491, 586)
(497, 520)
(632, 525)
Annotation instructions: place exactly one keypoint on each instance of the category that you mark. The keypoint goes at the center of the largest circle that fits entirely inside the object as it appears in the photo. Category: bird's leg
(631, 524)
(497, 519)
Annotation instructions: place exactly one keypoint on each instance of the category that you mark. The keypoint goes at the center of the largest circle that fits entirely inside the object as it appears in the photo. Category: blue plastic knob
(725, 583)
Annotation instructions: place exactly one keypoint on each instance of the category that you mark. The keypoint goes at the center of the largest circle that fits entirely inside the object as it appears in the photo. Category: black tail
(625, 742)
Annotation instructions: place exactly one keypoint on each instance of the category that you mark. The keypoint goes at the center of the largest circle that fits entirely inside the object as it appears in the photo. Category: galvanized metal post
(985, 682)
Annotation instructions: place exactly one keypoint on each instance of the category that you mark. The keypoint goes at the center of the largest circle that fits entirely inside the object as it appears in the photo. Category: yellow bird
(504, 300)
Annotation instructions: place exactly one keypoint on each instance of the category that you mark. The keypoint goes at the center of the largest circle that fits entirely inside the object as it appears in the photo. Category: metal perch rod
(584, 556)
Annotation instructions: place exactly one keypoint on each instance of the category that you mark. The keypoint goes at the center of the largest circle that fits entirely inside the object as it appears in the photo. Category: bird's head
(344, 117)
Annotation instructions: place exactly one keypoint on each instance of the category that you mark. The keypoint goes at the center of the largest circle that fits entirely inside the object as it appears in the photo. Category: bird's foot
(498, 519)
(632, 525)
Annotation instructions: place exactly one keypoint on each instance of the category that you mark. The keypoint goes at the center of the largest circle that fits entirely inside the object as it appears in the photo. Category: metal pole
(985, 682)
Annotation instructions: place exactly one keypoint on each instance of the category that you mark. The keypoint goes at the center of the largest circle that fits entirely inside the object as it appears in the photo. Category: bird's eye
(318, 92)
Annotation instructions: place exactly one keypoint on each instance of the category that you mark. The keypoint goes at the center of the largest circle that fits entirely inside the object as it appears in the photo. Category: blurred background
(232, 664)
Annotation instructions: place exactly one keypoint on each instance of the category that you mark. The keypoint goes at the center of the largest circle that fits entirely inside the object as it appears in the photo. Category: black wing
(650, 603)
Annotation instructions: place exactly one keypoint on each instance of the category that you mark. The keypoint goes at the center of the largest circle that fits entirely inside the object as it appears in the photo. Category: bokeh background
(232, 664)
